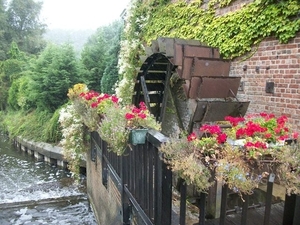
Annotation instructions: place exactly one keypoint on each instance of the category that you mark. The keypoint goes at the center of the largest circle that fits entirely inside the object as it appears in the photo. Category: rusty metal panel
(194, 87)
(211, 67)
(207, 111)
(218, 87)
(178, 54)
(198, 51)
(187, 68)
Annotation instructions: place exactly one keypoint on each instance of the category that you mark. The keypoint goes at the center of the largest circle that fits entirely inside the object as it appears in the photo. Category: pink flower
(136, 110)
(142, 115)
(129, 116)
(212, 129)
(221, 138)
(192, 137)
(114, 99)
(143, 106)
(94, 104)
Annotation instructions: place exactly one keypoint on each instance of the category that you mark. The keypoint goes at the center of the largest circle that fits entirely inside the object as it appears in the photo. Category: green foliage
(27, 125)
(52, 129)
(3, 27)
(110, 75)
(234, 33)
(24, 25)
(55, 71)
(289, 170)
(10, 70)
(100, 57)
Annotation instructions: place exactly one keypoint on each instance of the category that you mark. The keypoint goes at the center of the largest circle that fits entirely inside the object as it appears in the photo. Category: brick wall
(272, 62)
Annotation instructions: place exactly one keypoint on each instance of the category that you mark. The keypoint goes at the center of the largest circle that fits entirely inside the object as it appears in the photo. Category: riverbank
(44, 152)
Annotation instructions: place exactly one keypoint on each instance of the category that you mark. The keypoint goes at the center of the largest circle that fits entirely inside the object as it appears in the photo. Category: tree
(99, 53)
(110, 75)
(10, 70)
(24, 26)
(56, 70)
(3, 28)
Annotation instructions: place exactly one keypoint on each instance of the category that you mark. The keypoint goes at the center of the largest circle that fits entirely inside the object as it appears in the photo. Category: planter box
(236, 142)
(138, 136)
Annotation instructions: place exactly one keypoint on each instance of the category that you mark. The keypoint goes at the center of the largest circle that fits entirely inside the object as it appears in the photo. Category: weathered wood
(154, 46)
(198, 51)
(217, 110)
(214, 87)
(211, 67)
(178, 54)
(187, 68)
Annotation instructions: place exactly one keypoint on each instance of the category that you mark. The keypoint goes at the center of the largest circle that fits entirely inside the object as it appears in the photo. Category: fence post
(245, 209)
(182, 201)
(289, 209)
(269, 199)
(223, 204)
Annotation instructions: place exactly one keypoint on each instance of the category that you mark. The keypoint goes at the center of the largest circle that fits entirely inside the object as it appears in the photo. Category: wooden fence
(145, 184)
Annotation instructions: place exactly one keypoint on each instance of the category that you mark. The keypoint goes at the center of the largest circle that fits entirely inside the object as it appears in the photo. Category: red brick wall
(278, 63)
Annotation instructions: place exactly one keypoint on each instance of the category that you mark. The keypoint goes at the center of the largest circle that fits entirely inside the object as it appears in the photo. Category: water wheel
(185, 84)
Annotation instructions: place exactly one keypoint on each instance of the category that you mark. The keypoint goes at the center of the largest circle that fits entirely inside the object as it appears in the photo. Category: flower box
(138, 136)
(236, 142)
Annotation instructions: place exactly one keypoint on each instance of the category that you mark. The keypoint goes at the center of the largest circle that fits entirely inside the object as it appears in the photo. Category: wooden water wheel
(185, 83)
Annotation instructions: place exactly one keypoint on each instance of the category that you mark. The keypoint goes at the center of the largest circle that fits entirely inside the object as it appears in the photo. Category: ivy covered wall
(255, 33)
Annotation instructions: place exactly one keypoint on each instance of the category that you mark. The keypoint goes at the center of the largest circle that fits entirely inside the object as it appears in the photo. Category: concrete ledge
(43, 152)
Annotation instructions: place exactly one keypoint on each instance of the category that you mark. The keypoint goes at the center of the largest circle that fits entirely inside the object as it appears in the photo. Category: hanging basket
(138, 136)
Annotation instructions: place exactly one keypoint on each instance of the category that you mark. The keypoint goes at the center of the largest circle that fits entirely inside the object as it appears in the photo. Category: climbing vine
(234, 33)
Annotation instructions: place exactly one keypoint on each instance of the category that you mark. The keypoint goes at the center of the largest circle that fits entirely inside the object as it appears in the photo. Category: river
(35, 193)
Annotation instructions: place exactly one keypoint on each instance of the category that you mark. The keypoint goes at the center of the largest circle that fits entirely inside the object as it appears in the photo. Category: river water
(35, 193)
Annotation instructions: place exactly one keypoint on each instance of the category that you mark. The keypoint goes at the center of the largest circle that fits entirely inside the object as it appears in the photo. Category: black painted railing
(145, 185)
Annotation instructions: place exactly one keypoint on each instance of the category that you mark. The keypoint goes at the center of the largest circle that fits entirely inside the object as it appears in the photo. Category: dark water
(36, 193)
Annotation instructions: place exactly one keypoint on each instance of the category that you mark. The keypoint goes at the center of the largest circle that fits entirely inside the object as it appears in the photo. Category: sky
(81, 14)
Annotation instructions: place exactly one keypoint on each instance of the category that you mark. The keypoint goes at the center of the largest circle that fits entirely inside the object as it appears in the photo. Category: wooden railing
(145, 185)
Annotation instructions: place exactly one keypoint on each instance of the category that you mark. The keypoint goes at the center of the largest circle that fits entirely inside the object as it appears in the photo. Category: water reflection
(34, 192)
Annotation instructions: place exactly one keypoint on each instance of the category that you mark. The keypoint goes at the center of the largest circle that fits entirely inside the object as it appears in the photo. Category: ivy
(234, 33)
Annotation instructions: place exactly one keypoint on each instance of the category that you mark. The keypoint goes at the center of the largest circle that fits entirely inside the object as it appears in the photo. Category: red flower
(114, 99)
(143, 106)
(212, 129)
(221, 138)
(142, 115)
(136, 110)
(192, 137)
(257, 144)
(129, 116)
(94, 104)
(234, 121)
(295, 135)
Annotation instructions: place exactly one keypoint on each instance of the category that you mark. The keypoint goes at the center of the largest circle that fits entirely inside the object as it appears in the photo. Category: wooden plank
(148, 51)
(215, 87)
(166, 45)
(193, 89)
(211, 67)
(150, 87)
(154, 46)
(187, 68)
(207, 111)
(198, 51)
(178, 54)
